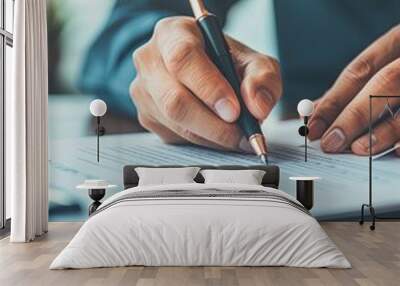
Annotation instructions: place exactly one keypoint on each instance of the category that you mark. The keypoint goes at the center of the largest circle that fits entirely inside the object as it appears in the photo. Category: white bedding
(188, 231)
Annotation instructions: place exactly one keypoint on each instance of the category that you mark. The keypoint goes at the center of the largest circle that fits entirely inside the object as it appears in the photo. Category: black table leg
(372, 212)
(96, 195)
(305, 193)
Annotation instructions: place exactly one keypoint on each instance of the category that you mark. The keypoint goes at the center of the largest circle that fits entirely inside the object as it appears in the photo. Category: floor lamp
(370, 203)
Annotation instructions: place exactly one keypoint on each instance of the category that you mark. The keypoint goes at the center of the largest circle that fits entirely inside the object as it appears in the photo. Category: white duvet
(192, 231)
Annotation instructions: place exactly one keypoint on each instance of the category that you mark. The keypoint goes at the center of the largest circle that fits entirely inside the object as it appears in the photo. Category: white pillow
(247, 177)
(163, 176)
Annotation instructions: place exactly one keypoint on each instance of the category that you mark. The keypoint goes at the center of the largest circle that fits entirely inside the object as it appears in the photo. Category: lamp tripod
(370, 203)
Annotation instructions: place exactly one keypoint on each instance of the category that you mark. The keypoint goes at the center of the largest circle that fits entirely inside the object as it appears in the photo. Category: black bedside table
(96, 191)
(305, 190)
(96, 195)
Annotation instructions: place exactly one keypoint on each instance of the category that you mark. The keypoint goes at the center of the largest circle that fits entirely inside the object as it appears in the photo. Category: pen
(218, 51)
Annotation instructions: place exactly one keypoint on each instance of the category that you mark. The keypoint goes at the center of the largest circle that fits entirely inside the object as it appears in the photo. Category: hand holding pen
(219, 51)
(182, 96)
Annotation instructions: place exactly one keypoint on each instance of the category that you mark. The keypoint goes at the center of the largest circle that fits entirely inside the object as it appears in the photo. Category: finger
(261, 86)
(175, 134)
(191, 137)
(146, 107)
(179, 106)
(152, 120)
(317, 102)
(353, 79)
(354, 119)
(165, 134)
(184, 56)
(143, 101)
(383, 137)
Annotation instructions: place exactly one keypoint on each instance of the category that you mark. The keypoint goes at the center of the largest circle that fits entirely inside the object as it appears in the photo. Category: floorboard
(374, 255)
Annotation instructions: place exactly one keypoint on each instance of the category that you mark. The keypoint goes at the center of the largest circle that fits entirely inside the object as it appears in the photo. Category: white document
(340, 193)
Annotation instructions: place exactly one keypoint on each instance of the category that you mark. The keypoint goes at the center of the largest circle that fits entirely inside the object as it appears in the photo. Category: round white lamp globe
(305, 107)
(98, 107)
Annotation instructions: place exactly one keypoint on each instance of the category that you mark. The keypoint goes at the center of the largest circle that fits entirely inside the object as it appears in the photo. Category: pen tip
(264, 158)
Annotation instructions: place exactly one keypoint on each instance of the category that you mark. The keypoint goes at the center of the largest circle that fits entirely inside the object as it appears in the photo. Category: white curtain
(26, 123)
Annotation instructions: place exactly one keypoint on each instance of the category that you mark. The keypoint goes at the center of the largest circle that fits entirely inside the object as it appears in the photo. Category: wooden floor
(375, 257)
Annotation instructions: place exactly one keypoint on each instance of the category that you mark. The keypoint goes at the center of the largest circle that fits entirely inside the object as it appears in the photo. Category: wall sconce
(98, 108)
(305, 108)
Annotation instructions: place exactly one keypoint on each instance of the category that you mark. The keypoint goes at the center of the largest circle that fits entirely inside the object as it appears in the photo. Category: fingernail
(334, 141)
(264, 100)
(245, 146)
(364, 142)
(317, 128)
(225, 110)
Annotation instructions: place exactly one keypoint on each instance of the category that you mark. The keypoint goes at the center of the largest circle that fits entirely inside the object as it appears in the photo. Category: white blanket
(205, 230)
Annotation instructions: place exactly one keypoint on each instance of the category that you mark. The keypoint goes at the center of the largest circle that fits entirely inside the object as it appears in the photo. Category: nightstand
(305, 190)
(96, 191)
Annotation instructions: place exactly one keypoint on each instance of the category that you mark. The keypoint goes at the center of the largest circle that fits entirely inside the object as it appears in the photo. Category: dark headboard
(271, 177)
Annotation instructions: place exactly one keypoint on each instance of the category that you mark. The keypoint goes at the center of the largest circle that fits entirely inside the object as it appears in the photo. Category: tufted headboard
(271, 177)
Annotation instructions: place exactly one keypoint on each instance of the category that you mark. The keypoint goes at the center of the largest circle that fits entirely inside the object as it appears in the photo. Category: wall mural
(169, 101)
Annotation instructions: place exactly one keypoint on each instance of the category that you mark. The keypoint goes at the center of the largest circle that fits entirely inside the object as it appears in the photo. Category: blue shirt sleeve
(108, 69)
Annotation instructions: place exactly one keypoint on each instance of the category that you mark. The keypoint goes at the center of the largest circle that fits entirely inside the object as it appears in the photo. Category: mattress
(201, 225)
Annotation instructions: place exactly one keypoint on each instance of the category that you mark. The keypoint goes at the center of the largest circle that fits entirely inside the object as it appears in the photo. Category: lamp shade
(98, 107)
(305, 107)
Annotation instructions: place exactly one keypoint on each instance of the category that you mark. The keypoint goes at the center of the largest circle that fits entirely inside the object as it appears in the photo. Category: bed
(198, 224)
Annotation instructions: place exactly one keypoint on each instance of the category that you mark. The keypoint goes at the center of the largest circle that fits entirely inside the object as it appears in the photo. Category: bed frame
(271, 177)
